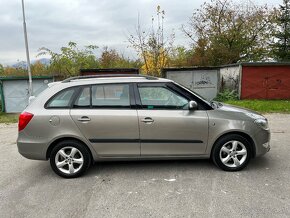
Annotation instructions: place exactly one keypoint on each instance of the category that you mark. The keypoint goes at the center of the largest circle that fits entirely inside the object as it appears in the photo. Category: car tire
(70, 159)
(231, 152)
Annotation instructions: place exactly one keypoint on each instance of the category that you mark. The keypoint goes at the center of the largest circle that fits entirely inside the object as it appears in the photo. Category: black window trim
(135, 101)
(172, 87)
(81, 88)
(78, 90)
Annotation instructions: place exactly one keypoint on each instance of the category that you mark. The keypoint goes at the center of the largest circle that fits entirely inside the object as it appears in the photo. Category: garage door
(16, 93)
(267, 82)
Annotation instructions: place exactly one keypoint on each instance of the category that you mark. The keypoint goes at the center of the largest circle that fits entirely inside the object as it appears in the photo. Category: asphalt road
(194, 188)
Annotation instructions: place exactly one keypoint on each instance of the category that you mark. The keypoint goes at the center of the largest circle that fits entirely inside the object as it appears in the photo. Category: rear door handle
(84, 119)
(147, 120)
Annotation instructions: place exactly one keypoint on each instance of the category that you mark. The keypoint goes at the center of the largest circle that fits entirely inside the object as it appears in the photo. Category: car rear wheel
(70, 159)
(232, 152)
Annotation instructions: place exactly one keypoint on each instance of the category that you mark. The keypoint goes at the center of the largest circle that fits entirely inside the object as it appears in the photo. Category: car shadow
(149, 166)
(259, 163)
(157, 166)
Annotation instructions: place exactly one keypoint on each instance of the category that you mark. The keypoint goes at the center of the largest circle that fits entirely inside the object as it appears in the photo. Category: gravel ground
(194, 188)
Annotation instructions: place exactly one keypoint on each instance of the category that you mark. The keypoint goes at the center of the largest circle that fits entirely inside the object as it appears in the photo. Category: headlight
(255, 116)
(262, 123)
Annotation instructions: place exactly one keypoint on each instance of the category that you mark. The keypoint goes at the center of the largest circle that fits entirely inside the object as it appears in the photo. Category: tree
(20, 69)
(71, 59)
(180, 57)
(224, 32)
(17, 69)
(1, 69)
(281, 48)
(152, 46)
(110, 58)
(38, 69)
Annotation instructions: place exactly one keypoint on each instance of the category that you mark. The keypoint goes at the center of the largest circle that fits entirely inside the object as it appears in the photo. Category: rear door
(167, 127)
(105, 116)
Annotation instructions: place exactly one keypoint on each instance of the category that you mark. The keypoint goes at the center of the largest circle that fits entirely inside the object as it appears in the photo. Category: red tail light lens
(24, 119)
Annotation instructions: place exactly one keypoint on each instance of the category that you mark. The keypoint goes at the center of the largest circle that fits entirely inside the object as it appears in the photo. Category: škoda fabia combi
(82, 120)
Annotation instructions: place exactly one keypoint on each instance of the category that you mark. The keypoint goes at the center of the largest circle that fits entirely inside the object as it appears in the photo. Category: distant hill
(22, 64)
(45, 61)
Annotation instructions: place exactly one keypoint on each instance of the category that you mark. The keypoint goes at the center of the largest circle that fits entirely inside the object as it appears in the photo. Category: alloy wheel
(233, 154)
(69, 160)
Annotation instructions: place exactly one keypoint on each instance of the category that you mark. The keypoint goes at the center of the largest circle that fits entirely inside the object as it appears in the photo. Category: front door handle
(84, 119)
(147, 120)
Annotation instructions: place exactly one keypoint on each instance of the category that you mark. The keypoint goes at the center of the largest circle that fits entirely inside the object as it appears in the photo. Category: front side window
(111, 95)
(62, 99)
(161, 98)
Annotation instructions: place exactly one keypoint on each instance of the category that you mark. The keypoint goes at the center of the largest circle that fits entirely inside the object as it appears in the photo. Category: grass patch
(8, 118)
(263, 106)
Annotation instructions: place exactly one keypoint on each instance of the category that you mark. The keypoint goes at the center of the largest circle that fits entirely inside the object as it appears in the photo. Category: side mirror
(192, 105)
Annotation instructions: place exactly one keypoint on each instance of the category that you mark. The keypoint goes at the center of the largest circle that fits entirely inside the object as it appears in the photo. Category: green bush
(227, 95)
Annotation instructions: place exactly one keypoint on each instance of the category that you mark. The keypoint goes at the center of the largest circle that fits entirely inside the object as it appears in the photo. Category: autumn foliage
(220, 32)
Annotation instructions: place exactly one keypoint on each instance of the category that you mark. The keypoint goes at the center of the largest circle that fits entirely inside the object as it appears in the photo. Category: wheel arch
(245, 135)
(55, 142)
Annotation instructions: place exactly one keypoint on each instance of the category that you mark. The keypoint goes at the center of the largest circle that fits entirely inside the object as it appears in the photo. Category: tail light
(24, 119)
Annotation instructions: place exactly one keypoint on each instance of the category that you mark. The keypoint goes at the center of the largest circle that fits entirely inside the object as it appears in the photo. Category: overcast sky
(53, 23)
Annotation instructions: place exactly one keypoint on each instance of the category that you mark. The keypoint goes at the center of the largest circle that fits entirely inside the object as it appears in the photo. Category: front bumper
(262, 141)
(267, 146)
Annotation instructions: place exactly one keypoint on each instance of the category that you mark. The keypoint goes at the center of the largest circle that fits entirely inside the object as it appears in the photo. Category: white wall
(203, 82)
(16, 93)
(230, 78)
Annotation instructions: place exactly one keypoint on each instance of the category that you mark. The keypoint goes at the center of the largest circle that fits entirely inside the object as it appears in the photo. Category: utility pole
(30, 90)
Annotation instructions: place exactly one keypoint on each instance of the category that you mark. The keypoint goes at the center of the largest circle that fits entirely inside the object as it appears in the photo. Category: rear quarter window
(62, 99)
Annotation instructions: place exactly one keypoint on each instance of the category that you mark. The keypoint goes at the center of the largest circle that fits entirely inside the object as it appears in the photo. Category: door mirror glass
(192, 105)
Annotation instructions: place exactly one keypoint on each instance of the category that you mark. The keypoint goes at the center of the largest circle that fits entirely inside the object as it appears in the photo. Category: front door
(103, 114)
(167, 126)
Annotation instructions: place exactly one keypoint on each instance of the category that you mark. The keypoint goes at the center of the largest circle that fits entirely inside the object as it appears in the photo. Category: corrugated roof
(2, 78)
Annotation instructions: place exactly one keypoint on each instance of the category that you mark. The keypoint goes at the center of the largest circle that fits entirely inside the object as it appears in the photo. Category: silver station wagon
(81, 120)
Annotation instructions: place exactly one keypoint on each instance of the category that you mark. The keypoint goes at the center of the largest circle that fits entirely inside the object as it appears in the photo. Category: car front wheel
(69, 159)
(232, 152)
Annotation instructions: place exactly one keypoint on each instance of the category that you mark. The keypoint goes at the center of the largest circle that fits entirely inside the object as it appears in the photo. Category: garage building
(268, 80)
(14, 91)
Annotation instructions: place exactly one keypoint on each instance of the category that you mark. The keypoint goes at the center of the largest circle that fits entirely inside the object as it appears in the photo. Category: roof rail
(108, 75)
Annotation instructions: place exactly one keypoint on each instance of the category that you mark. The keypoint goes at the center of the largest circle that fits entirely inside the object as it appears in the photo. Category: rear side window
(62, 99)
(112, 95)
(104, 96)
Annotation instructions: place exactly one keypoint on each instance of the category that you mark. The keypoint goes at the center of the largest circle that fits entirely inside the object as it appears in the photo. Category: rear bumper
(31, 150)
